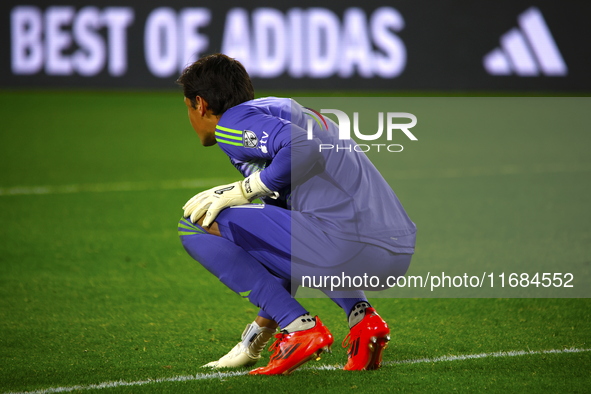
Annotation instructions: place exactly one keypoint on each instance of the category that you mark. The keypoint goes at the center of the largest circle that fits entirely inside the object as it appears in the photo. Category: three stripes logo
(354, 348)
(528, 50)
(188, 228)
(285, 352)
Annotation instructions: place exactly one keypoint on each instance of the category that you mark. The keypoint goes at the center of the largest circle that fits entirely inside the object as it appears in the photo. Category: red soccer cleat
(367, 339)
(295, 349)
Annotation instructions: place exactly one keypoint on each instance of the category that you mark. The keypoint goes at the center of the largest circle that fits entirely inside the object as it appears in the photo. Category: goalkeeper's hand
(212, 201)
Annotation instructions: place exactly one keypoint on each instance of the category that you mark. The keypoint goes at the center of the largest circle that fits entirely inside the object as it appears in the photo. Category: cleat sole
(377, 346)
(313, 356)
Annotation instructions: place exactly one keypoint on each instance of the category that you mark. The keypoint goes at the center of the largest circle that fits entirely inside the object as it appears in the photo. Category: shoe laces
(275, 345)
(347, 341)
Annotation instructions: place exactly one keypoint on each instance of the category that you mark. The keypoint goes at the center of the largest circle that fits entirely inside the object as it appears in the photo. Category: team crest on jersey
(249, 139)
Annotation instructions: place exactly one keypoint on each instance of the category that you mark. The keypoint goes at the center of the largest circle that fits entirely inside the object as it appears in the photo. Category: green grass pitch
(96, 290)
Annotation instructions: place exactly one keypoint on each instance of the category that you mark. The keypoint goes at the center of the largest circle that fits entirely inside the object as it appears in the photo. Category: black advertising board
(405, 45)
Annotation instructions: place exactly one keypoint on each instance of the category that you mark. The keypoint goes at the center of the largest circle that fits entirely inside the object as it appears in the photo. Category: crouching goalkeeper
(326, 212)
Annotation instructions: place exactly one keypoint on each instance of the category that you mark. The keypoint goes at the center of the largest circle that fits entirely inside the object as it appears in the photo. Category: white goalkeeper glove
(212, 201)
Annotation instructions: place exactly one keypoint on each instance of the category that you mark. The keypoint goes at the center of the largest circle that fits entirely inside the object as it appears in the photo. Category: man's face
(201, 121)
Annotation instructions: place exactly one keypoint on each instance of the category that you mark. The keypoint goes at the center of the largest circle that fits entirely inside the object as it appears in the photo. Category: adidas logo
(529, 50)
(285, 353)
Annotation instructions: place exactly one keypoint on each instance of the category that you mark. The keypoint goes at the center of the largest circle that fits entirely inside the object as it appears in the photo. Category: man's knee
(214, 229)
(196, 240)
(186, 227)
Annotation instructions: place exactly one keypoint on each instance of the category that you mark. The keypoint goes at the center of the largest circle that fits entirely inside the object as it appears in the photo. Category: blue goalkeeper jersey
(341, 192)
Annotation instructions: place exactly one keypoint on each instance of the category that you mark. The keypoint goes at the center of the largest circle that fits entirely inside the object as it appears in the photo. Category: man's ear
(201, 105)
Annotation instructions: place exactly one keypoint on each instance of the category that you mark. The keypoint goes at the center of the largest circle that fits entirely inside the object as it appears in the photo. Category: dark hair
(220, 80)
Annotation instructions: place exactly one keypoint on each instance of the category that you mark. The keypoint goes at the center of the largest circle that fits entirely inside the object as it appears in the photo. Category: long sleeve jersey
(341, 191)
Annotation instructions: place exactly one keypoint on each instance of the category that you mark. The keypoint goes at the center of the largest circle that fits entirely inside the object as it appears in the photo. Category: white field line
(112, 187)
(464, 172)
(222, 375)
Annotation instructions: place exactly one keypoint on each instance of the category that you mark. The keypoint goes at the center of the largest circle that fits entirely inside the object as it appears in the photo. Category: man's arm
(294, 159)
